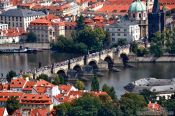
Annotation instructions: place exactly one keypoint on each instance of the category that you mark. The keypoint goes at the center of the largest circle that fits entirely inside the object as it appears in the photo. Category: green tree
(12, 104)
(107, 110)
(62, 109)
(95, 84)
(56, 80)
(110, 91)
(62, 80)
(87, 105)
(93, 38)
(148, 95)
(105, 99)
(80, 85)
(80, 23)
(134, 47)
(31, 37)
(141, 51)
(44, 77)
(106, 88)
(122, 42)
(10, 75)
(172, 49)
(131, 103)
(156, 50)
(81, 47)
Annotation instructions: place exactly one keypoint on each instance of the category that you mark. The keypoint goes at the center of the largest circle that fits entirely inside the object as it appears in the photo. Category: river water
(24, 62)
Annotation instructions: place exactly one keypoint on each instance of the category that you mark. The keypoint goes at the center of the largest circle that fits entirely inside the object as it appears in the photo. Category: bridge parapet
(74, 60)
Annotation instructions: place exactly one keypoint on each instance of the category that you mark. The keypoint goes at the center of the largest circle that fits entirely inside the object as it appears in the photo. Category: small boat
(20, 50)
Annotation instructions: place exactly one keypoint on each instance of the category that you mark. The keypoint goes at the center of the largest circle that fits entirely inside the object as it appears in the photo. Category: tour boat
(20, 50)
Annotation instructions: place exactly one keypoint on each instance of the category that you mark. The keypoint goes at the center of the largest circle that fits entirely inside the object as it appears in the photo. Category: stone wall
(38, 46)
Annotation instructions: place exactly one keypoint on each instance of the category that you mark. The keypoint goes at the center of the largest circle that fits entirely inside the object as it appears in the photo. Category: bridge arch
(110, 62)
(61, 72)
(94, 64)
(77, 68)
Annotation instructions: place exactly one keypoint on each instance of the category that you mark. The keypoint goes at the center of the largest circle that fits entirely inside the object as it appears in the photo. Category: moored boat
(20, 50)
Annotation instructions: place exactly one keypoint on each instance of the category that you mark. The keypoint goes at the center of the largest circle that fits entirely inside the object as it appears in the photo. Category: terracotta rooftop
(44, 83)
(29, 85)
(17, 83)
(40, 89)
(2, 111)
(4, 86)
(35, 99)
(5, 95)
(13, 32)
(65, 88)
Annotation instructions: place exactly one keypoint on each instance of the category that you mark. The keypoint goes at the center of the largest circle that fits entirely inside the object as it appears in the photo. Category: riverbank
(38, 46)
(151, 59)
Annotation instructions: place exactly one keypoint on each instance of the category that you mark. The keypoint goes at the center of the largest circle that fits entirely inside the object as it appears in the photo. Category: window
(113, 34)
(125, 30)
(134, 16)
(140, 15)
(118, 29)
(118, 34)
(113, 39)
(125, 34)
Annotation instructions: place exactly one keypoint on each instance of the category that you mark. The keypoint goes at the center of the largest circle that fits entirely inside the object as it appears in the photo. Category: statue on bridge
(124, 59)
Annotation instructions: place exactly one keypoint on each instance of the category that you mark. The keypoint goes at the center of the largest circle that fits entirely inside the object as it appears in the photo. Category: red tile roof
(97, 93)
(39, 112)
(2, 111)
(154, 106)
(13, 32)
(65, 88)
(4, 86)
(17, 83)
(35, 99)
(49, 20)
(4, 95)
(29, 85)
(44, 83)
(40, 90)
(62, 98)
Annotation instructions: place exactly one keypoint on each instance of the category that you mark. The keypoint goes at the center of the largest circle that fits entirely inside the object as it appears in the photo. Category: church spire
(156, 7)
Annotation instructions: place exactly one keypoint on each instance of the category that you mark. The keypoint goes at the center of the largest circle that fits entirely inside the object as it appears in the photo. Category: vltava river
(24, 62)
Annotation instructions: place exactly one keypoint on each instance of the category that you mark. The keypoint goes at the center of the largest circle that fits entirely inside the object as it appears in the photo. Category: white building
(3, 26)
(13, 35)
(124, 30)
(19, 17)
(70, 9)
(6, 5)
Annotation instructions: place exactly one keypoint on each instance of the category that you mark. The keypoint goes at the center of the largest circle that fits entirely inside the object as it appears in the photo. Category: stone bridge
(92, 59)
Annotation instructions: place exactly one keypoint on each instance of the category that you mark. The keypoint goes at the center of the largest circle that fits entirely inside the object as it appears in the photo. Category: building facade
(19, 17)
(138, 12)
(47, 29)
(124, 30)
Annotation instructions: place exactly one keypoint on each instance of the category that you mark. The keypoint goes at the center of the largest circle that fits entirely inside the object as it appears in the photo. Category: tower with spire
(156, 20)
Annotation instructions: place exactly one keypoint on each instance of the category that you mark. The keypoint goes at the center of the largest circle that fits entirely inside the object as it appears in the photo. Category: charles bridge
(93, 59)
